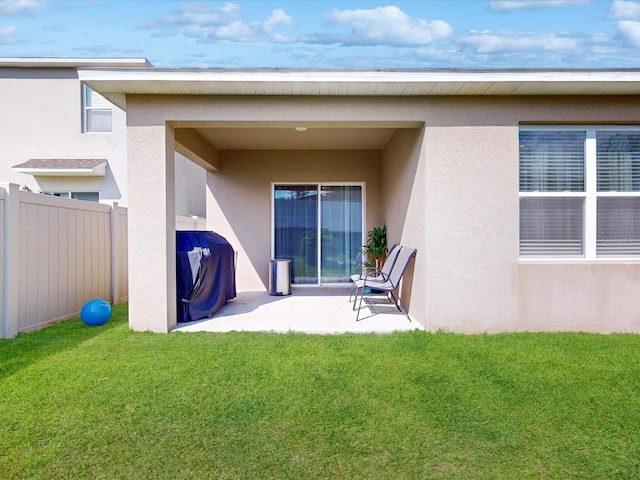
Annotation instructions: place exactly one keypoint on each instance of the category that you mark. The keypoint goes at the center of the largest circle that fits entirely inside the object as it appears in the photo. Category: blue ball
(96, 312)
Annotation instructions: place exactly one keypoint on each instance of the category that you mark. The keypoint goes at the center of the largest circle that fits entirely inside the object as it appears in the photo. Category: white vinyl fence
(191, 223)
(56, 254)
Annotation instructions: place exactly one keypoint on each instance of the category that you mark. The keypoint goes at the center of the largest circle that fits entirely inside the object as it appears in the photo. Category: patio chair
(388, 284)
(374, 274)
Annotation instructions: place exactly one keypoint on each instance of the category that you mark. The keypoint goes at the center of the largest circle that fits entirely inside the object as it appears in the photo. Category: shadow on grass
(29, 348)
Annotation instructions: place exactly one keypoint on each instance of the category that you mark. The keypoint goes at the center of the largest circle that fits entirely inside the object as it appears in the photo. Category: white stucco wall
(190, 188)
(41, 118)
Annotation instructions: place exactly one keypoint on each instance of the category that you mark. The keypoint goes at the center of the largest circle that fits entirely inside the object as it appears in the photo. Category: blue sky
(330, 34)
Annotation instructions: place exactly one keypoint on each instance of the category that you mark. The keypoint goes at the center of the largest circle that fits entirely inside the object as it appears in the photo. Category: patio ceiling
(344, 137)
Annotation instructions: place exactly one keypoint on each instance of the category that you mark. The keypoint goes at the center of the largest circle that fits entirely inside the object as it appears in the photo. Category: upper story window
(97, 112)
(580, 192)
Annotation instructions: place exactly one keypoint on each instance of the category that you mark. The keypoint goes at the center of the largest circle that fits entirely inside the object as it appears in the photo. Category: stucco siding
(240, 206)
(404, 197)
(152, 242)
(41, 117)
(475, 281)
(446, 183)
(472, 226)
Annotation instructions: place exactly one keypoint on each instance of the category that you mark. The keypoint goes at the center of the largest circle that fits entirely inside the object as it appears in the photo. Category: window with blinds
(618, 211)
(579, 192)
(552, 161)
(97, 112)
(551, 226)
(552, 165)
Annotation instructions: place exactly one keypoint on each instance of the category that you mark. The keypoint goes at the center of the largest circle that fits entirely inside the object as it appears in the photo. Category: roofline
(116, 84)
(332, 75)
(73, 62)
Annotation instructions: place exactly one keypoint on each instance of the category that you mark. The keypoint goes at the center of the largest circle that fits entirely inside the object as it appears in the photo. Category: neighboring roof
(115, 84)
(63, 167)
(36, 62)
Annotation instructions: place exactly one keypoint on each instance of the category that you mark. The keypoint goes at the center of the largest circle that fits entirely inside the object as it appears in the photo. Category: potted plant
(376, 248)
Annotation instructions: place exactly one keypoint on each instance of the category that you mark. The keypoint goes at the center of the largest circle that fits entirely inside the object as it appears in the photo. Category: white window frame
(590, 194)
(87, 108)
(318, 185)
(69, 193)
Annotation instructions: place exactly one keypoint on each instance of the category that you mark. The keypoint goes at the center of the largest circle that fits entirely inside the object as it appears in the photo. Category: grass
(104, 402)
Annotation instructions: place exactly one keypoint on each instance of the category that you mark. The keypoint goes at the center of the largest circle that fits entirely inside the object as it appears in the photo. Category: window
(88, 196)
(580, 192)
(97, 112)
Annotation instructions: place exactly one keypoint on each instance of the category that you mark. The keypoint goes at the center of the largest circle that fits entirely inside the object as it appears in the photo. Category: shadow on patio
(307, 310)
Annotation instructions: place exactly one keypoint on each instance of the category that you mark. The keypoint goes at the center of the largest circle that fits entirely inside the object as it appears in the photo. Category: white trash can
(280, 277)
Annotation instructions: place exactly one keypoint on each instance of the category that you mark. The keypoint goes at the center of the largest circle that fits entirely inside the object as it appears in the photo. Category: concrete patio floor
(306, 310)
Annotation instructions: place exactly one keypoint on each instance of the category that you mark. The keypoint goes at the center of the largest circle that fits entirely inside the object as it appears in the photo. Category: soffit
(115, 84)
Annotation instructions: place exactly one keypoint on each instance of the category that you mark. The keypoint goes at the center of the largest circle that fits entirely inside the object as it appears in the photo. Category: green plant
(376, 248)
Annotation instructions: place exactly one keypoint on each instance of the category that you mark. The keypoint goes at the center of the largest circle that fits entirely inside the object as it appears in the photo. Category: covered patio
(312, 310)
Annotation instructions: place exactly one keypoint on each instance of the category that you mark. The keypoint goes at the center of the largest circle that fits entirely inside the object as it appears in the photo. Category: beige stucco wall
(239, 207)
(151, 220)
(404, 204)
(474, 280)
(449, 189)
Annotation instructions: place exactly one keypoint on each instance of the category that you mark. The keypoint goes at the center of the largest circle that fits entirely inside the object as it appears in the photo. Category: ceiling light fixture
(301, 129)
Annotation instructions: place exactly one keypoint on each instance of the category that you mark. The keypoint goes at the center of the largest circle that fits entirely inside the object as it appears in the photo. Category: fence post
(115, 253)
(11, 259)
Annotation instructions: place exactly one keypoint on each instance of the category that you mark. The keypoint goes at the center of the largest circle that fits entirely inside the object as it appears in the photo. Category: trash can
(280, 277)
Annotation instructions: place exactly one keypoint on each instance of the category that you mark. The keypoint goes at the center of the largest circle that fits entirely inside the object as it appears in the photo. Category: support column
(151, 227)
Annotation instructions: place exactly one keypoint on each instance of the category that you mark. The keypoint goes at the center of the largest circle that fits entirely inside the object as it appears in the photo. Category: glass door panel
(341, 227)
(295, 230)
(300, 212)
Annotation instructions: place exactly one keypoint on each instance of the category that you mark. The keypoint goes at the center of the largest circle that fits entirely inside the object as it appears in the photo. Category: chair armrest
(368, 272)
(380, 278)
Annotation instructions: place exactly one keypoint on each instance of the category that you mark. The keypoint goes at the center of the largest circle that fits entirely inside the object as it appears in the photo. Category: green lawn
(103, 402)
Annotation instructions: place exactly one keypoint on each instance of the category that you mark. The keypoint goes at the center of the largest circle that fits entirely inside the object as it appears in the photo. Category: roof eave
(115, 84)
(73, 62)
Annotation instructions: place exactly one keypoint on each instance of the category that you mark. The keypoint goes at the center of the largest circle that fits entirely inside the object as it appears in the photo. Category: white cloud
(8, 34)
(379, 26)
(624, 9)
(209, 24)
(385, 26)
(501, 42)
(12, 8)
(631, 31)
(194, 13)
(508, 5)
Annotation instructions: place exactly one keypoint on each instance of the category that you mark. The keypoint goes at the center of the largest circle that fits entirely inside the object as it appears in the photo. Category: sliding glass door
(319, 227)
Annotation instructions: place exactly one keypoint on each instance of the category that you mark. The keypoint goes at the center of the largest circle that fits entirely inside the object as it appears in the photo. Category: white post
(115, 255)
(11, 259)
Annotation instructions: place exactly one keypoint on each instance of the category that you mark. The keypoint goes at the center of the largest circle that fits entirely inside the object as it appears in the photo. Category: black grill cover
(206, 277)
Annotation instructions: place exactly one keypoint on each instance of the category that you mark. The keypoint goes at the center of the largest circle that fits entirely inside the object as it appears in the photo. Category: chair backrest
(400, 265)
(392, 256)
